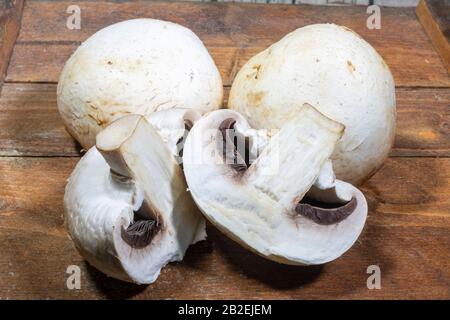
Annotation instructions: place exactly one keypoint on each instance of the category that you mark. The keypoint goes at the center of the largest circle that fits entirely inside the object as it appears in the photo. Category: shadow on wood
(113, 288)
(274, 275)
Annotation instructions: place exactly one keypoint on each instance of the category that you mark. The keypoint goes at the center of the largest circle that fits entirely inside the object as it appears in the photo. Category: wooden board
(407, 235)
(435, 18)
(233, 33)
(10, 15)
(408, 229)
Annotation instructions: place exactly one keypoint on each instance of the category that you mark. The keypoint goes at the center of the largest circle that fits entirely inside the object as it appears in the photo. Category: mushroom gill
(180, 142)
(144, 227)
(325, 213)
(234, 147)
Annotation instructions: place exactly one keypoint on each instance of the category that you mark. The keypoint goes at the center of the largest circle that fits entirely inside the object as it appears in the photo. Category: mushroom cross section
(260, 203)
(126, 204)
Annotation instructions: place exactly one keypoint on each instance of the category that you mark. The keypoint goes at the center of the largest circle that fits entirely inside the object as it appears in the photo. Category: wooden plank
(31, 125)
(10, 15)
(221, 24)
(233, 33)
(407, 235)
(423, 123)
(435, 18)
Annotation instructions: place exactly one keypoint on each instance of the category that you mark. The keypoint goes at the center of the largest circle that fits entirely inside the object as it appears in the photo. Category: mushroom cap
(259, 207)
(340, 74)
(136, 66)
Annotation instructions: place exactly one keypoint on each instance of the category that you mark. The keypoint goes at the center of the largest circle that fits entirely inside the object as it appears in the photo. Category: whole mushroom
(340, 74)
(137, 66)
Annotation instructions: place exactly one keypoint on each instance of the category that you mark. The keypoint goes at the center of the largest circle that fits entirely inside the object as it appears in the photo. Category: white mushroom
(336, 71)
(138, 66)
(173, 125)
(260, 205)
(126, 205)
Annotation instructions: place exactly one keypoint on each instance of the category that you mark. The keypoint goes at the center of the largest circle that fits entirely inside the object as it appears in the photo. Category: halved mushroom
(126, 203)
(260, 204)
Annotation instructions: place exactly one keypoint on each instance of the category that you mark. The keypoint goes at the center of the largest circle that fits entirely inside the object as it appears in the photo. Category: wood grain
(408, 229)
(221, 24)
(31, 125)
(233, 33)
(10, 15)
(434, 15)
(407, 235)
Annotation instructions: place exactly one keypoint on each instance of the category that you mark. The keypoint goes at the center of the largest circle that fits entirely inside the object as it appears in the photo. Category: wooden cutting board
(408, 229)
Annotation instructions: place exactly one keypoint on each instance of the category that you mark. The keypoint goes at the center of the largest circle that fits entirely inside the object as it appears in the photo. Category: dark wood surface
(233, 33)
(10, 16)
(435, 18)
(408, 230)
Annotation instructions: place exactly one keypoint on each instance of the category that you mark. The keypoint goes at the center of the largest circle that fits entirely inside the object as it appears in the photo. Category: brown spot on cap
(350, 66)
(99, 121)
(255, 73)
(257, 68)
(255, 98)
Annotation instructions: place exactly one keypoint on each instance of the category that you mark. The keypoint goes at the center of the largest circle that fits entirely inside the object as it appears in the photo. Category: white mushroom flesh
(258, 205)
(128, 211)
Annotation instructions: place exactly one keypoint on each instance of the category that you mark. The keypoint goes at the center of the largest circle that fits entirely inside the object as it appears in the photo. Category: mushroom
(173, 125)
(336, 71)
(258, 199)
(137, 66)
(126, 205)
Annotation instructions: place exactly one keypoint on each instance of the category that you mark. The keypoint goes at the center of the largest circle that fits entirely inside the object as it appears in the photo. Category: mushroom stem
(295, 151)
(111, 139)
(145, 223)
